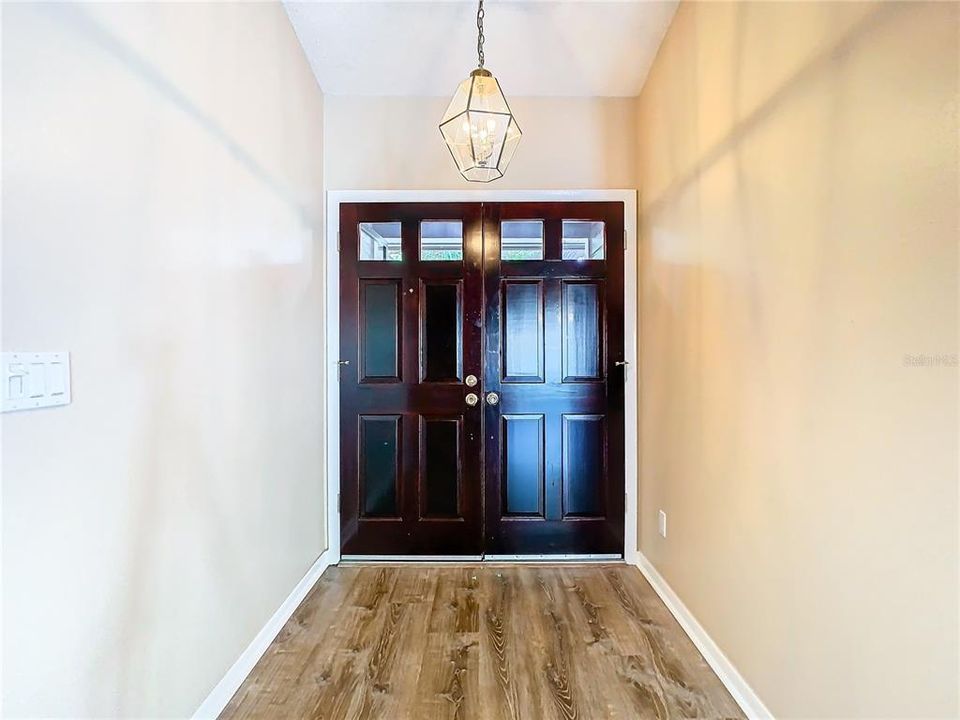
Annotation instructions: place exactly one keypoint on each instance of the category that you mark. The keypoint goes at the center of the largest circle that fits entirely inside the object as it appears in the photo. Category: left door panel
(410, 335)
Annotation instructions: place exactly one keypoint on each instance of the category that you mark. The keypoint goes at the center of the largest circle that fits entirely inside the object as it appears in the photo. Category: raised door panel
(441, 467)
(379, 454)
(584, 465)
(441, 335)
(380, 332)
(522, 333)
(582, 329)
(522, 465)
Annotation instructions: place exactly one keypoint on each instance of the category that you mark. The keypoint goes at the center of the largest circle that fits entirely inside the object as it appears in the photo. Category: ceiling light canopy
(478, 127)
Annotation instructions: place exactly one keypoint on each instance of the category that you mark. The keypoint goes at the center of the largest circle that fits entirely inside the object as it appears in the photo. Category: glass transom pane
(521, 240)
(583, 240)
(380, 241)
(441, 240)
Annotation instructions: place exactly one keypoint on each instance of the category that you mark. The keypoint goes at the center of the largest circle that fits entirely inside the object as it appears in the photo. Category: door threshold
(572, 558)
(410, 558)
(534, 558)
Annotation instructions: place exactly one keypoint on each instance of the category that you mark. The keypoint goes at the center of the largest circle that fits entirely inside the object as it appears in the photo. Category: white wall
(162, 196)
(392, 143)
(799, 182)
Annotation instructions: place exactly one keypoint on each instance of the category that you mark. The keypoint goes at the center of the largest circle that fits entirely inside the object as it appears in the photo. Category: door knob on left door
(471, 399)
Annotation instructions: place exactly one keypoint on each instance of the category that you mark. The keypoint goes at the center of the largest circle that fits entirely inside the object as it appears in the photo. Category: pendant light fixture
(478, 127)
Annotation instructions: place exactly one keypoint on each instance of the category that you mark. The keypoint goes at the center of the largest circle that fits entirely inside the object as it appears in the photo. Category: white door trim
(332, 346)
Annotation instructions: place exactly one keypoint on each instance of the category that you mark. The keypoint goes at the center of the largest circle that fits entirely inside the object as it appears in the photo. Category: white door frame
(332, 345)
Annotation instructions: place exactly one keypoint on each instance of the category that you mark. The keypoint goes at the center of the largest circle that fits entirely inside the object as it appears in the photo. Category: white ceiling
(534, 47)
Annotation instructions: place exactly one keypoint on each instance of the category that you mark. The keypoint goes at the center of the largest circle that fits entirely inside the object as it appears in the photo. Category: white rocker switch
(34, 380)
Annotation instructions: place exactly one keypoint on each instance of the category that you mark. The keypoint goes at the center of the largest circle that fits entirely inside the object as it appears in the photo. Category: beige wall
(380, 143)
(162, 193)
(799, 187)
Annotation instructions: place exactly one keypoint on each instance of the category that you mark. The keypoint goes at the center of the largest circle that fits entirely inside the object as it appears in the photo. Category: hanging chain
(480, 33)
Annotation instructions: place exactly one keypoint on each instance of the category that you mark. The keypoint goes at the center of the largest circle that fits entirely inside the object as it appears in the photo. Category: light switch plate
(33, 380)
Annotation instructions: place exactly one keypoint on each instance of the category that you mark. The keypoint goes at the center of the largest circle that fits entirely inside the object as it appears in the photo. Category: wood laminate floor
(485, 642)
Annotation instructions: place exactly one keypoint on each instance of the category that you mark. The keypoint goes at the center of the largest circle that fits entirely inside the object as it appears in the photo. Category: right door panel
(553, 380)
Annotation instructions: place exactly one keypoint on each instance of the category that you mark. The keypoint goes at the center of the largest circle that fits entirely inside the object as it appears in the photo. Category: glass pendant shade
(479, 129)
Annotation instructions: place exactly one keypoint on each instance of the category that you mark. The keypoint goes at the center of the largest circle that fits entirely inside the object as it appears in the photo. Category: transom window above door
(521, 240)
(582, 240)
(441, 240)
(380, 241)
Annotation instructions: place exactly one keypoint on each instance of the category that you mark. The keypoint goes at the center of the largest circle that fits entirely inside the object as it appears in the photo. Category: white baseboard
(219, 697)
(744, 695)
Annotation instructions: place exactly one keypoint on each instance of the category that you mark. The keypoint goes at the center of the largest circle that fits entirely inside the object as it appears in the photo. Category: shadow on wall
(797, 240)
(825, 64)
(190, 400)
(688, 279)
(79, 19)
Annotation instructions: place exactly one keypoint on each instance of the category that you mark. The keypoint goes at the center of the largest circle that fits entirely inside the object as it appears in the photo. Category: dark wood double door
(481, 378)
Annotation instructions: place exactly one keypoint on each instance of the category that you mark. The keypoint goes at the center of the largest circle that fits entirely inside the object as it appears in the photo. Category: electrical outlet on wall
(662, 523)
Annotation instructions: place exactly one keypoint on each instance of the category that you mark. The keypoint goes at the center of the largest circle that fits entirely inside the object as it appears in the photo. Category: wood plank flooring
(482, 641)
